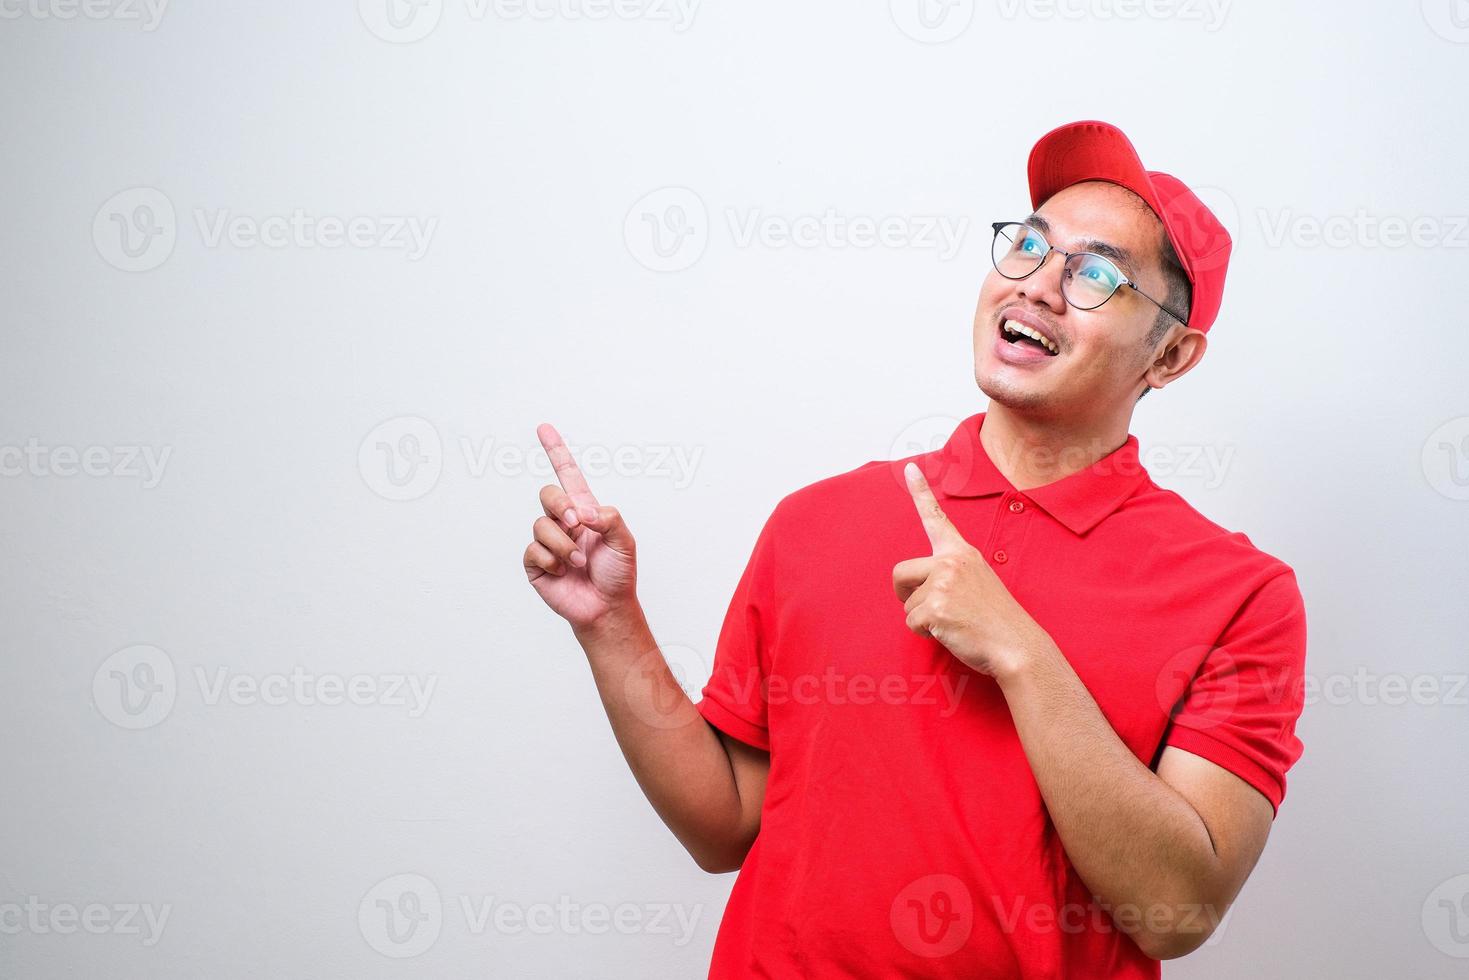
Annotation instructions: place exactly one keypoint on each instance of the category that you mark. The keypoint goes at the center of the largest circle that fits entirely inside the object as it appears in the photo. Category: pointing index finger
(941, 531)
(568, 474)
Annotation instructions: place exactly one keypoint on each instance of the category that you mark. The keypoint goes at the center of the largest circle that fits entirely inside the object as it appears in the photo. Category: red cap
(1094, 150)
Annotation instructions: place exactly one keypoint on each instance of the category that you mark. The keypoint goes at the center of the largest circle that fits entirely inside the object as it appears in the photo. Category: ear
(1175, 356)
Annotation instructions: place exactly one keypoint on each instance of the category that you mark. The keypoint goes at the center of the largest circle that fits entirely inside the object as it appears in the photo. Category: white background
(266, 378)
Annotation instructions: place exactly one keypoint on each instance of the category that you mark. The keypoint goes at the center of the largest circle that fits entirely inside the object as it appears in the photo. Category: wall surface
(287, 288)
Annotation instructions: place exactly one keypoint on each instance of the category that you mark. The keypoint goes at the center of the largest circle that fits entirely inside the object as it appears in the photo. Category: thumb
(942, 534)
(608, 522)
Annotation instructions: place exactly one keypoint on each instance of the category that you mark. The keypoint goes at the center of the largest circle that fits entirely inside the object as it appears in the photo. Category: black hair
(1180, 294)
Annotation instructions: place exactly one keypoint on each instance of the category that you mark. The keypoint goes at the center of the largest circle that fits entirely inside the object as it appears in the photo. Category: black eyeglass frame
(1121, 279)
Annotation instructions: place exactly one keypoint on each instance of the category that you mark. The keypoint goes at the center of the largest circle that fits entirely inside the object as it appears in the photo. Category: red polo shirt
(903, 833)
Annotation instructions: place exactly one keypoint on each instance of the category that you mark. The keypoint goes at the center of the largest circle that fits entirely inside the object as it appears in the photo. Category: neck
(1032, 452)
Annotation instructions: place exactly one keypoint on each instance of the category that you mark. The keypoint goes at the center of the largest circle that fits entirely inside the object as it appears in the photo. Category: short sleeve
(734, 700)
(1241, 708)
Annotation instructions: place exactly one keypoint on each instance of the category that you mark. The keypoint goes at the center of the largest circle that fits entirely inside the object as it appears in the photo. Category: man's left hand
(955, 597)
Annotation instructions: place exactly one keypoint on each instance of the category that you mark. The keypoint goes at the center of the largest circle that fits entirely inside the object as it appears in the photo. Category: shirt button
(1001, 557)
(1016, 506)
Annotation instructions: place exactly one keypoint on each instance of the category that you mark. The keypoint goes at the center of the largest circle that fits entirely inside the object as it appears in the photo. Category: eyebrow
(1124, 259)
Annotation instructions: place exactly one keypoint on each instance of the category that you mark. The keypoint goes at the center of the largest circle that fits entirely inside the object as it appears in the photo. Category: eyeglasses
(1087, 279)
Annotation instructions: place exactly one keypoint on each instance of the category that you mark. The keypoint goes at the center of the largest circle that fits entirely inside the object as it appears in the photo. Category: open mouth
(1023, 335)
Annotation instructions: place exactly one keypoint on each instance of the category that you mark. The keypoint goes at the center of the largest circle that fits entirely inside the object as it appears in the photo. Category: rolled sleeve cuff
(732, 724)
(1228, 757)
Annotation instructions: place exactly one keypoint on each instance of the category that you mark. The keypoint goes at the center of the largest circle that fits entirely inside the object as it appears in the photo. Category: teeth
(1019, 328)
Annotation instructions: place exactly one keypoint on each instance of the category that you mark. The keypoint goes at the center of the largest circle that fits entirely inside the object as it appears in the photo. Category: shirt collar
(962, 468)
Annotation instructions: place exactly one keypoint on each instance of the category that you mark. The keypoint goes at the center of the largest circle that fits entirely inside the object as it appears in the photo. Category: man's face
(1102, 354)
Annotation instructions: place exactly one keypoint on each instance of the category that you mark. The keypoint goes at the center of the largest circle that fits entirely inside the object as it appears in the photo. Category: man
(1004, 709)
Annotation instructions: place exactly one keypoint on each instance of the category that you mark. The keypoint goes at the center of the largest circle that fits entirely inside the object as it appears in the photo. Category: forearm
(676, 757)
(1139, 846)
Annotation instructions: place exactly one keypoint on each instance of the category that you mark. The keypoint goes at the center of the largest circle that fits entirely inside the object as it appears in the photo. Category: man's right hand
(708, 788)
(583, 561)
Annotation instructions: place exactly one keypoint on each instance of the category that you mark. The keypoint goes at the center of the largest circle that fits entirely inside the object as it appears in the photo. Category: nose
(1043, 286)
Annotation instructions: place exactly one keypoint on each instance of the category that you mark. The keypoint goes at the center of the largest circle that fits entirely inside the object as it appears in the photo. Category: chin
(1003, 391)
